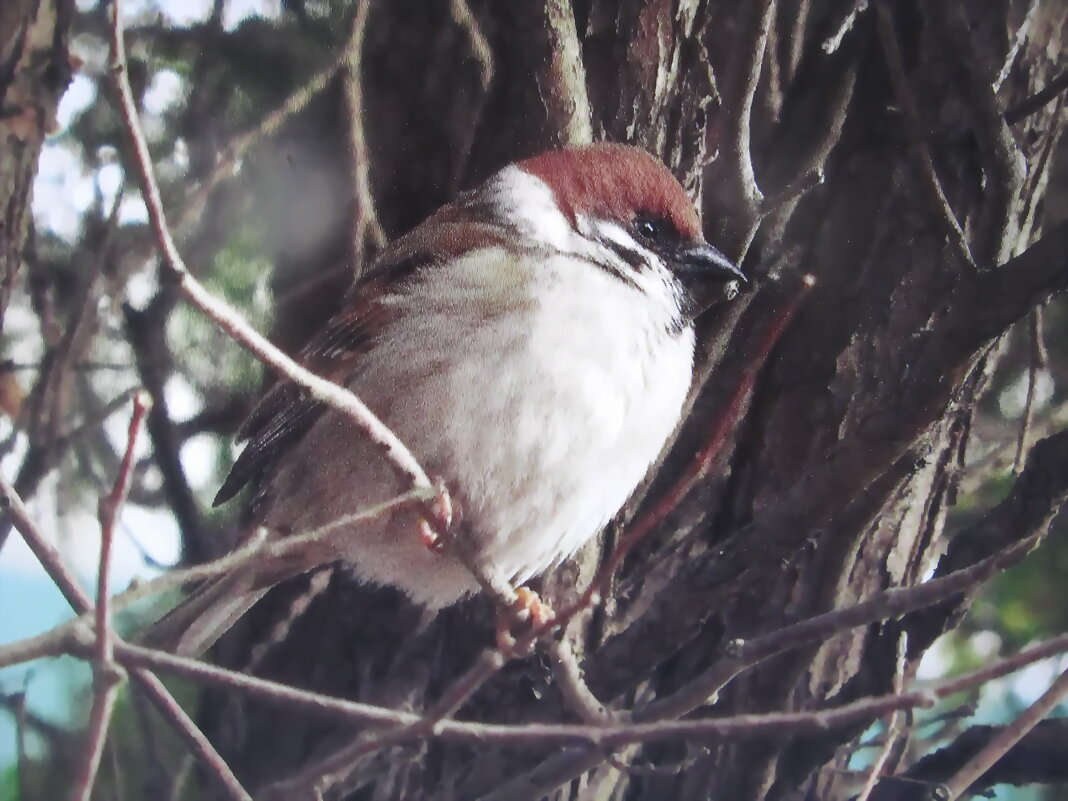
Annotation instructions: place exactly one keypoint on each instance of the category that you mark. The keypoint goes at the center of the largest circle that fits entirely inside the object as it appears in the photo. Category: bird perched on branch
(531, 342)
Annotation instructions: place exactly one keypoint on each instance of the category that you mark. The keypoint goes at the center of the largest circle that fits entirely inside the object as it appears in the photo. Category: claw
(528, 612)
(540, 612)
(438, 522)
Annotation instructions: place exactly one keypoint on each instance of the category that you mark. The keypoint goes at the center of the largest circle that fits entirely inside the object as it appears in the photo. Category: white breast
(541, 396)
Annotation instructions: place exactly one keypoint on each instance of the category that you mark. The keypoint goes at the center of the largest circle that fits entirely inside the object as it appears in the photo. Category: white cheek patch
(530, 206)
(604, 229)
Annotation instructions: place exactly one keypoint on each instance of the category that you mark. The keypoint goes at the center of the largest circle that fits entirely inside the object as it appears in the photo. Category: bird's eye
(648, 229)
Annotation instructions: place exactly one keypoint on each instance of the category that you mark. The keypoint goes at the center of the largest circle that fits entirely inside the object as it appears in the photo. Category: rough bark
(847, 455)
(34, 72)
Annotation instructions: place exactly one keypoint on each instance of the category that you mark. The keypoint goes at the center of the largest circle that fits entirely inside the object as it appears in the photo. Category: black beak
(704, 273)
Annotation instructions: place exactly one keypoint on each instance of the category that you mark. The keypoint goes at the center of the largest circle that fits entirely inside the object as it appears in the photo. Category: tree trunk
(34, 72)
(846, 454)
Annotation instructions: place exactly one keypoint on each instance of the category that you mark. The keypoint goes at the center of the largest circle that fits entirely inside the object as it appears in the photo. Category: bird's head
(624, 210)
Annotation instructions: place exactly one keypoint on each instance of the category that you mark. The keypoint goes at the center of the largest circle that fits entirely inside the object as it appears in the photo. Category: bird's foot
(528, 602)
(436, 524)
(527, 613)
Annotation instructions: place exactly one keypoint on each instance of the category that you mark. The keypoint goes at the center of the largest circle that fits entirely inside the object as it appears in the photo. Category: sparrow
(532, 342)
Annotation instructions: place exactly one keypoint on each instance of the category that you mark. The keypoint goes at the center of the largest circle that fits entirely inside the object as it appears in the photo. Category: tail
(194, 625)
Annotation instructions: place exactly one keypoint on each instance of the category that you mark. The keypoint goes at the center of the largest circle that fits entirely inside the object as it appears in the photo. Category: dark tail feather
(195, 624)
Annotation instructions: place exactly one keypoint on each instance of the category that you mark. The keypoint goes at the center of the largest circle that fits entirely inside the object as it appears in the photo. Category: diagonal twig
(959, 783)
(559, 71)
(106, 675)
(52, 562)
(1002, 160)
(921, 154)
(365, 224)
(396, 454)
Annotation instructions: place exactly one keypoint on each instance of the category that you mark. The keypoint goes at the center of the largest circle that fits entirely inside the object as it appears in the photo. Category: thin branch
(1018, 40)
(146, 334)
(465, 18)
(553, 773)
(45, 405)
(1002, 161)
(792, 191)
(1036, 759)
(55, 642)
(576, 693)
(50, 559)
(921, 155)
(742, 192)
(885, 605)
(560, 73)
(1035, 499)
(611, 735)
(20, 744)
(893, 725)
(1029, 105)
(226, 318)
(959, 783)
(366, 224)
(106, 676)
(231, 155)
(1036, 361)
(316, 779)
(194, 739)
(45, 551)
(831, 44)
(259, 548)
(480, 46)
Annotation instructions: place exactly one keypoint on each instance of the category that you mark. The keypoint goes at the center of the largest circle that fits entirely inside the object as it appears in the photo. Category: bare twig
(573, 687)
(556, 771)
(744, 654)
(392, 449)
(55, 642)
(480, 47)
(1006, 739)
(560, 73)
(20, 743)
(326, 773)
(1036, 361)
(1002, 161)
(1018, 40)
(742, 191)
(1029, 105)
(45, 405)
(50, 559)
(106, 676)
(834, 41)
(194, 739)
(608, 735)
(465, 18)
(882, 606)
(921, 155)
(232, 154)
(366, 224)
(893, 725)
(791, 192)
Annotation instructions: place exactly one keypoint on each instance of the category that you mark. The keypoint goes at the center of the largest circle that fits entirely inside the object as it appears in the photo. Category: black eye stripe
(635, 258)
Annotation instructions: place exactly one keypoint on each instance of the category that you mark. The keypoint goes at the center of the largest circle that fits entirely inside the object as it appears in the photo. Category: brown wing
(286, 412)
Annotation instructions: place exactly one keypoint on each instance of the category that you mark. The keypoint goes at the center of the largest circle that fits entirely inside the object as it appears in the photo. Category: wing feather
(286, 412)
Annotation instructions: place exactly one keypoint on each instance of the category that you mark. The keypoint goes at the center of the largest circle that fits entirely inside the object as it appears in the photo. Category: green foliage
(9, 784)
(240, 274)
